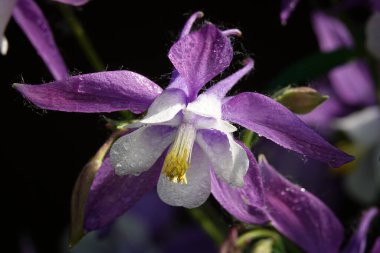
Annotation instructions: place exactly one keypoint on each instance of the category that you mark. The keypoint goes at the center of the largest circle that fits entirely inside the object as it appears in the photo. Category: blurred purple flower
(287, 8)
(352, 82)
(349, 85)
(32, 21)
(194, 129)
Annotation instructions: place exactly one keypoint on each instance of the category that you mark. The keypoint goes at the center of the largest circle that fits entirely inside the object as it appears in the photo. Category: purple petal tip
(341, 160)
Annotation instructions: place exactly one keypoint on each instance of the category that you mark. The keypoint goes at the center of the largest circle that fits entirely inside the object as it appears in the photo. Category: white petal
(4, 46)
(136, 152)
(228, 158)
(373, 35)
(174, 122)
(202, 122)
(217, 124)
(363, 126)
(207, 105)
(6, 7)
(166, 106)
(197, 189)
(224, 126)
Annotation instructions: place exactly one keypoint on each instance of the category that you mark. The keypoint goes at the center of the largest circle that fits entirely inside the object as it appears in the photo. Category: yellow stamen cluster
(177, 161)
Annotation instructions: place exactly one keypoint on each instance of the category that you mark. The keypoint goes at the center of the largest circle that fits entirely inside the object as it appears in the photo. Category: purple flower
(185, 140)
(31, 20)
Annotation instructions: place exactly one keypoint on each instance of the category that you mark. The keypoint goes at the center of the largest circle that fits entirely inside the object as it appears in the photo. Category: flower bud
(82, 188)
(300, 100)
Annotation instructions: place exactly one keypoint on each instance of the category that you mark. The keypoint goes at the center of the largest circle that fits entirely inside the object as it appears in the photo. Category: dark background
(43, 152)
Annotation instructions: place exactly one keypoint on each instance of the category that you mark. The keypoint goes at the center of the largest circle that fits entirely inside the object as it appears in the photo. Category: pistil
(177, 161)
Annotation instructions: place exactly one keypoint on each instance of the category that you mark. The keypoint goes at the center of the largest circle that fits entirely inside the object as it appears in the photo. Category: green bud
(300, 100)
(82, 188)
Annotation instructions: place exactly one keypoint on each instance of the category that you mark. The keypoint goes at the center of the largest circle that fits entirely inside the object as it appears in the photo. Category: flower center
(177, 161)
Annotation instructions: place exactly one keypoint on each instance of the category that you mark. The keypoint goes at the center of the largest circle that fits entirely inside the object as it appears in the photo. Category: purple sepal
(221, 88)
(111, 195)
(246, 203)
(35, 26)
(98, 92)
(298, 214)
(270, 119)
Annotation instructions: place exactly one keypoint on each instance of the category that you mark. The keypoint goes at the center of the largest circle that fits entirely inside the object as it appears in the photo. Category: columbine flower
(185, 139)
(31, 20)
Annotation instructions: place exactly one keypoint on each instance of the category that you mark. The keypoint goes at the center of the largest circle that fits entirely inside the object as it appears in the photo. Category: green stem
(86, 45)
(249, 138)
(211, 229)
